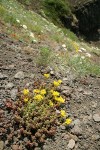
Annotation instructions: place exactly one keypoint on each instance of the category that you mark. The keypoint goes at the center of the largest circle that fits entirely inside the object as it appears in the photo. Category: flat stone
(19, 75)
(77, 122)
(9, 85)
(52, 73)
(15, 147)
(83, 49)
(3, 76)
(71, 144)
(76, 130)
(94, 104)
(62, 127)
(95, 137)
(96, 117)
(1, 145)
(13, 93)
(32, 76)
(87, 92)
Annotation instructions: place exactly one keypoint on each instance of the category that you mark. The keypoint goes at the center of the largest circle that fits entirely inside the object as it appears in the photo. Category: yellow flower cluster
(63, 113)
(59, 99)
(47, 75)
(41, 92)
(26, 91)
(57, 83)
(55, 93)
(57, 96)
(76, 46)
(68, 121)
(36, 91)
(26, 100)
(52, 97)
(38, 97)
(51, 103)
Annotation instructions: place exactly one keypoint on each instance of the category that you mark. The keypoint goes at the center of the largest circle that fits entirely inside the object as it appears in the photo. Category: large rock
(19, 75)
(96, 117)
(13, 93)
(76, 130)
(3, 76)
(71, 144)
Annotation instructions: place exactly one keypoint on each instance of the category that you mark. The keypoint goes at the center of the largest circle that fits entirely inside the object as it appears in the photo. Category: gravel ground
(18, 69)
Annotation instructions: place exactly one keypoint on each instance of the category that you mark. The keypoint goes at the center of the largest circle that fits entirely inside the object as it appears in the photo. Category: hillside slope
(31, 46)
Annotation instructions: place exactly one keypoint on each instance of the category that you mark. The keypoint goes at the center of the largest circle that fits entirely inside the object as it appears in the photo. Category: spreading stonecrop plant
(38, 111)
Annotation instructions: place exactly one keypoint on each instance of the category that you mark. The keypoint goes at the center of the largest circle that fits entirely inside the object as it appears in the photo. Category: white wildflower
(80, 62)
(31, 35)
(80, 50)
(34, 40)
(64, 46)
(88, 54)
(82, 57)
(24, 26)
(83, 49)
(17, 20)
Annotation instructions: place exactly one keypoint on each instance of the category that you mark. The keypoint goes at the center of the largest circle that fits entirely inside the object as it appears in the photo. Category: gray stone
(76, 130)
(52, 73)
(96, 117)
(1, 145)
(15, 147)
(13, 93)
(77, 122)
(32, 76)
(94, 104)
(25, 139)
(9, 85)
(87, 92)
(95, 137)
(19, 75)
(71, 144)
(3, 76)
(62, 127)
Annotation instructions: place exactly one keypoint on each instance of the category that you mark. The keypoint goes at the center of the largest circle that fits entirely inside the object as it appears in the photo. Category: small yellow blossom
(63, 113)
(38, 97)
(68, 121)
(25, 100)
(47, 75)
(43, 92)
(60, 99)
(50, 103)
(26, 91)
(51, 91)
(56, 83)
(59, 81)
(76, 46)
(37, 91)
(55, 93)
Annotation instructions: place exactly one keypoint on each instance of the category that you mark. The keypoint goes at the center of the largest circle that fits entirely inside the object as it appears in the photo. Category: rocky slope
(20, 44)
(18, 69)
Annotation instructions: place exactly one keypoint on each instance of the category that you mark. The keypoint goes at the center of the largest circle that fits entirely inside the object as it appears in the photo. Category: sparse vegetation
(84, 66)
(44, 56)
